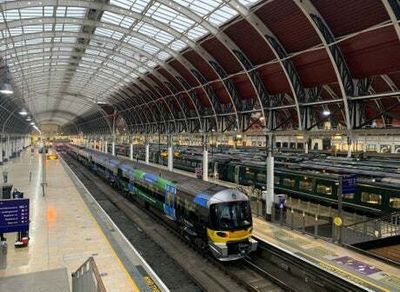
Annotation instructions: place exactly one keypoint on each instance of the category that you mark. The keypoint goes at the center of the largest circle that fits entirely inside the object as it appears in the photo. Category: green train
(370, 197)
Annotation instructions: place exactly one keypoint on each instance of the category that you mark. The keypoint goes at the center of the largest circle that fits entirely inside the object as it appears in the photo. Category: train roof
(184, 183)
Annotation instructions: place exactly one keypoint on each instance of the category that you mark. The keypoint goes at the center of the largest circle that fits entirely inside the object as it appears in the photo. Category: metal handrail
(87, 278)
(385, 217)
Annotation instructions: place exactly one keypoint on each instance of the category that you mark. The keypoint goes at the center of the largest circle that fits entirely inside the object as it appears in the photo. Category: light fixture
(326, 112)
(262, 119)
(6, 89)
(28, 119)
(23, 112)
(32, 123)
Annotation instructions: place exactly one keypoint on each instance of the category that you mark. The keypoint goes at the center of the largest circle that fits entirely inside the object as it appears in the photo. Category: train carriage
(205, 213)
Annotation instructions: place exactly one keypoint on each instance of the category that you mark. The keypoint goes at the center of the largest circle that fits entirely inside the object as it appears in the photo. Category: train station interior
(199, 145)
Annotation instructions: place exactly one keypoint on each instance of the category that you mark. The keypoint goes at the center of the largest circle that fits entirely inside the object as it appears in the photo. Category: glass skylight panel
(121, 3)
(196, 32)
(154, 32)
(48, 11)
(32, 28)
(11, 15)
(77, 12)
(222, 15)
(127, 22)
(163, 55)
(142, 70)
(151, 64)
(178, 45)
(134, 75)
(48, 27)
(200, 7)
(248, 3)
(34, 41)
(61, 10)
(111, 17)
(150, 49)
(72, 27)
(170, 17)
(32, 12)
(15, 31)
(131, 64)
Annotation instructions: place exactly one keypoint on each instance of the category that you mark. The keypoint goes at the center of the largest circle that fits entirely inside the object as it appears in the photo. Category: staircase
(87, 278)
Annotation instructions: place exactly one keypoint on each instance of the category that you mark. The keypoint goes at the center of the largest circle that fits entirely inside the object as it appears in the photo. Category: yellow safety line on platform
(132, 282)
(334, 269)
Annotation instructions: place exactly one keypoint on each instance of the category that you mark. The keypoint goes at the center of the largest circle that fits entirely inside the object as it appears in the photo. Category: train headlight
(222, 234)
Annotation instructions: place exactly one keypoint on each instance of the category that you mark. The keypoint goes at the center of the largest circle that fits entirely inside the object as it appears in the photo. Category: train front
(230, 225)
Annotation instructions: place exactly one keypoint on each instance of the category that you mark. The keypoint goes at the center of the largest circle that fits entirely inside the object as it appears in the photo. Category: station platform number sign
(349, 184)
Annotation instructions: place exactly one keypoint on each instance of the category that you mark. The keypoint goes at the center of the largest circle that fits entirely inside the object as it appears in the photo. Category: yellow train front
(230, 225)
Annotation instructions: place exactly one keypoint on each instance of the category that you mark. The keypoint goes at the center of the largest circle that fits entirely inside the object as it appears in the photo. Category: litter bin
(3, 254)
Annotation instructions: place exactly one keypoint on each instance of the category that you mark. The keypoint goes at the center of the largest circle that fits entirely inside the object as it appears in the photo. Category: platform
(64, 232)
(365, 271)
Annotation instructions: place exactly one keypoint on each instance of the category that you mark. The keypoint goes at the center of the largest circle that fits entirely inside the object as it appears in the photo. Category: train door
(169, 203)
(237, 171)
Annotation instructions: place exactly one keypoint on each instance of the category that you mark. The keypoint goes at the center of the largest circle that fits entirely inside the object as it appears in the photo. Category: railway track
(213, 275)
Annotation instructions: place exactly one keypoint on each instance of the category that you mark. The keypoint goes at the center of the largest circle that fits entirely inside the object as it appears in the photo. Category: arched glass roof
(69, 55)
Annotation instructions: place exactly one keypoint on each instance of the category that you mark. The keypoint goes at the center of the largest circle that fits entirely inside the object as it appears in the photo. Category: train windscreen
(231, 216)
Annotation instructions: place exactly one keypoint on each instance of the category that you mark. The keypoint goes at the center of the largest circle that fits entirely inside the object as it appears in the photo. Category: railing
(372, 229)
(87, 278)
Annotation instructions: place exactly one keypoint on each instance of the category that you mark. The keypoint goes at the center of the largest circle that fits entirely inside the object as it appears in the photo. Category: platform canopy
(204, 65)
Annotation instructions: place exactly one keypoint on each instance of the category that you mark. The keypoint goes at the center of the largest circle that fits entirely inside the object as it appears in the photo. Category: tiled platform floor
(63, 233)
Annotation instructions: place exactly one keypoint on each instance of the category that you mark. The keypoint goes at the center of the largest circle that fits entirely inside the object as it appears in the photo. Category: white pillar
(113, 148)
(205, 164)
(1, 150)
(147, 152)
(349, 146)
(365, 144)
(106, 147)
(170, 154)
(306, 145)
(8, 155)
(205, 158)
(270, 177)
(131, 151)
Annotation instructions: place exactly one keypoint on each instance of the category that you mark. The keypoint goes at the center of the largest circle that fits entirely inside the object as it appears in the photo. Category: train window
(394, 203)
(278, 144)
(371, 198)
(324, 189)
(288, 182)
(305, 184)
(285, 145)
(249, 174)
(261, 177)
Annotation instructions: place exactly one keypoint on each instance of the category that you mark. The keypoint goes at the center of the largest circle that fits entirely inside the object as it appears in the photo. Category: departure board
(14, 215)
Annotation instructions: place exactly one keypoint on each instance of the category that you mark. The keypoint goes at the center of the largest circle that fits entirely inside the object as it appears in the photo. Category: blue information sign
(349, 184)
(14, 215)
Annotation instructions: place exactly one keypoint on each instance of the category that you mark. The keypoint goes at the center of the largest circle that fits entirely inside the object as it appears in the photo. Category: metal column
(147, 152)
(205, 158)
(170, 154)
(8, 148)
(131, 151)
(113, 148)
(106, 147)
(306, 145)
(269, 200)
(349, 145)
(1, 150)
